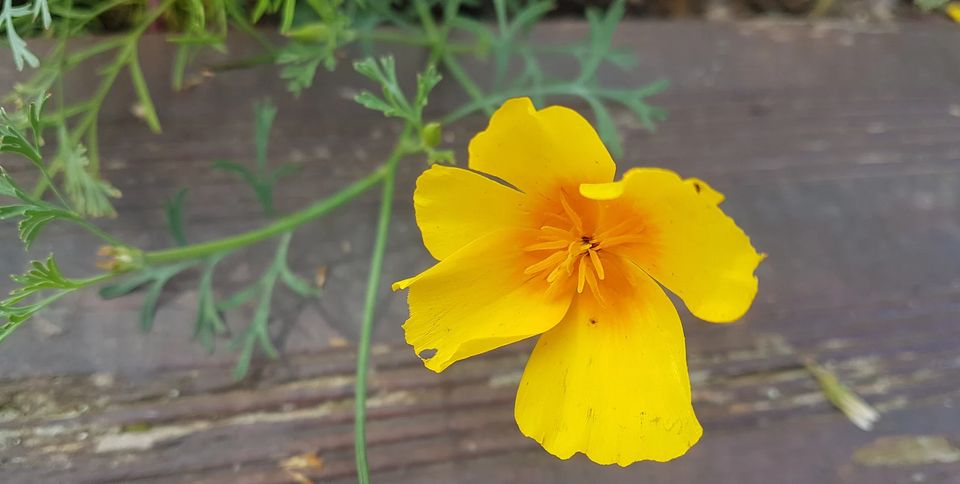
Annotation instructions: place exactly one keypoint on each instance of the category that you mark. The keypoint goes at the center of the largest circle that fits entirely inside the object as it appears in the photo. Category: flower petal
(611, 381)
(478, 299)
(693, 248)
(540, 151)
(456, 206)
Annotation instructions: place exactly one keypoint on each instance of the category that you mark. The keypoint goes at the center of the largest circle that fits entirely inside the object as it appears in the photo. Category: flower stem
(369, 306)
(284, 224)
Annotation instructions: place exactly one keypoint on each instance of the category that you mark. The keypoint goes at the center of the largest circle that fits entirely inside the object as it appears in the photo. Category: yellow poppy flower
(573, 256)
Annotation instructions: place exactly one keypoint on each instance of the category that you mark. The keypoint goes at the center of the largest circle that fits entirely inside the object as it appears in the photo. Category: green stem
(426, 19)
(49, 180)
(399, 37)
(97, 279)
(234, 12)
(64, 114)
(87, 15)
(487, 102)
(244, 63)
(369, 305)
(483, 102)
(97, 231)
(61, 52)
(282, 225)
(468, 85)
(500, 7)
(438, 43)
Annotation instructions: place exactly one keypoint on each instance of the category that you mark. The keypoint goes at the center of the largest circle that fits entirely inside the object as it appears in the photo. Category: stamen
(581, 275)
(595, 288)
(595, 259)
(551, 245)
(573, 250)
(552, 260)
(555, 274)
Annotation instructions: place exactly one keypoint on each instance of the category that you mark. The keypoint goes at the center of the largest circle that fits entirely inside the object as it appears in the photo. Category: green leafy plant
(210, 322)
(28, 298)
(511, 39)
(315, 33)
(394, 102)
(10, 15)
(32, 213)
(261, 179)
(931, 4)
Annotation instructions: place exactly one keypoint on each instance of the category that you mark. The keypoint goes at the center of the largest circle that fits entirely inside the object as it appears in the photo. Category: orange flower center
(574, 248)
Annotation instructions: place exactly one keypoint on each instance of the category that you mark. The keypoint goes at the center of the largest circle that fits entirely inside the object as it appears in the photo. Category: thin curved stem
(284, 224)
(97, 279)
(97, 231)
(369, 307)
(466, 82)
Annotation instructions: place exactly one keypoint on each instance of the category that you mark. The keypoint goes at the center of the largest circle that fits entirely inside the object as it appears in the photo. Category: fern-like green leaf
(9, 12)
(33, 214)
(41, 277)
(88, 193)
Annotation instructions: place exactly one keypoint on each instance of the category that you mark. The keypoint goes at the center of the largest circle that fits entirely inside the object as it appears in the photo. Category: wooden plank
(836, 145)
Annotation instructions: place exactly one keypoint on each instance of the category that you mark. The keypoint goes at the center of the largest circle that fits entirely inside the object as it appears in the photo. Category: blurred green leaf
(9, 12)
(41, 9)
(155, 279)
(145, 106)
(265, 112)
(931, 4)
(510, 43)
(88, 193)
(174, 214)
(606, 127)
(257, 335)
(299, 65)
(261, 179)
(210, 323)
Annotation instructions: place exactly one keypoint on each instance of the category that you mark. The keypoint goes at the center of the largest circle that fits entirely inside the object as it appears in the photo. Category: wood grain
(836, 145)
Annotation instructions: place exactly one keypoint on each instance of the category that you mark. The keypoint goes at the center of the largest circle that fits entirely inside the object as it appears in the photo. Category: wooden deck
(838, 147)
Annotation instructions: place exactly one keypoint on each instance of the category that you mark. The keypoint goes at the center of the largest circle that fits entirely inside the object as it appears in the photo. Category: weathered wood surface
(838, 148)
